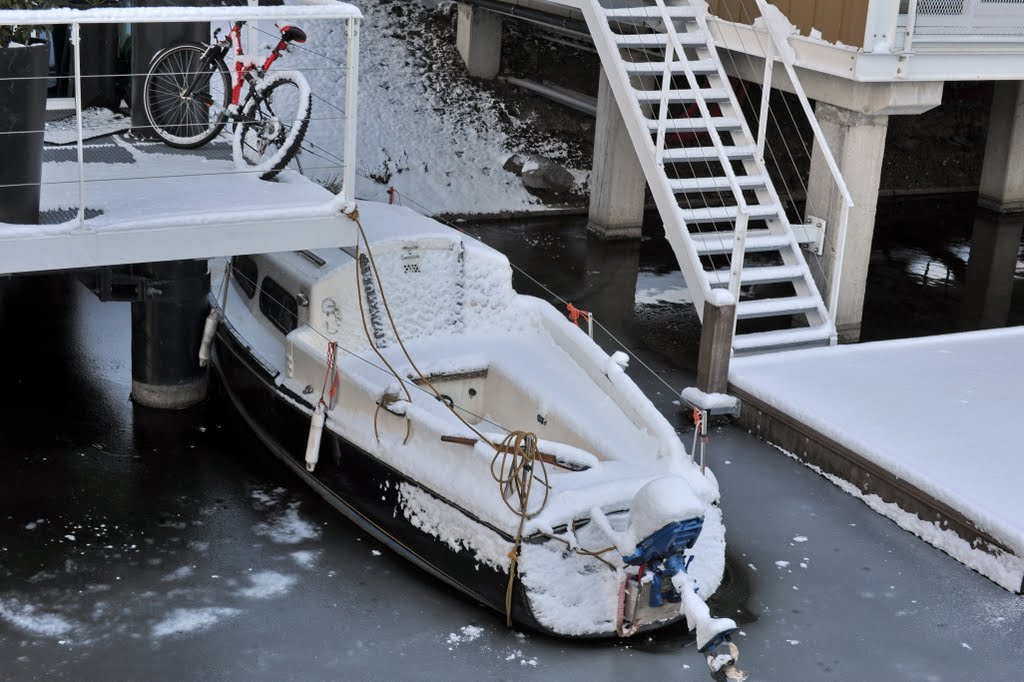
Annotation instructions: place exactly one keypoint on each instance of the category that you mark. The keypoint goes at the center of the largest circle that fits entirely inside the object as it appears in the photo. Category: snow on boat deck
(941, 414)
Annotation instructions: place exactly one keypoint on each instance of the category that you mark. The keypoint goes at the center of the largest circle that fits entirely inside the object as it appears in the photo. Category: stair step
(684, 11)
(689, 39)
(698, 66)
(722, 213)
(690, 125)
(757, 241)
(769, 274)
(679, 96)
(707, 153)
(783, 339)
(776, 307)
(698, 185)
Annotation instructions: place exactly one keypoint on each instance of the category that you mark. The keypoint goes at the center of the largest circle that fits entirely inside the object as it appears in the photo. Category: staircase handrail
(782, 50)
(743, 210)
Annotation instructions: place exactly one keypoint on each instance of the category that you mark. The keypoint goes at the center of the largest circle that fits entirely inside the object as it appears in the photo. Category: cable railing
(781, 50)
(124, 178)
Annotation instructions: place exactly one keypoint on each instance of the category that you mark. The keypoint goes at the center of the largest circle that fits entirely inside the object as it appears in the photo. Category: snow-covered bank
(425, 127)
(941, 413)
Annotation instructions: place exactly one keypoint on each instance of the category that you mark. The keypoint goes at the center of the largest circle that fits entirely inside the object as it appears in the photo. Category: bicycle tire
(170, 114)
(258, 128)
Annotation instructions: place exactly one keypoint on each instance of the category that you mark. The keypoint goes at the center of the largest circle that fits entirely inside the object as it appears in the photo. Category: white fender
(316, 430)
(209, 329)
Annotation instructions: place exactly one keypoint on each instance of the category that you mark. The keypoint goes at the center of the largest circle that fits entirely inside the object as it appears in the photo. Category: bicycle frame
(243, 66)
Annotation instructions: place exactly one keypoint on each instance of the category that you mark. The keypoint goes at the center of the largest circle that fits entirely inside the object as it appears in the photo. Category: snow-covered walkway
(941, 413)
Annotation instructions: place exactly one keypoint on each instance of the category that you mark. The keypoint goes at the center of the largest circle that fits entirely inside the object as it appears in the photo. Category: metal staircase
(722, 215)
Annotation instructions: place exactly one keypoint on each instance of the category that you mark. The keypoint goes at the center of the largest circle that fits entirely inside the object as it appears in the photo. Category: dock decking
(926, 431)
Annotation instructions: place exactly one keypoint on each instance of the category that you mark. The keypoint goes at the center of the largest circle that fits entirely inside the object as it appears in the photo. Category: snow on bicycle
(190, 97)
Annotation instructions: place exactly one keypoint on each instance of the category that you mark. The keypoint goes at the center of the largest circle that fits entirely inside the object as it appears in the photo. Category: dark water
(145, 545)
(917, 280)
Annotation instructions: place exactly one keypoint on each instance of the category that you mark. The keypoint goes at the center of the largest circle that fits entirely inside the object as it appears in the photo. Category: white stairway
(703, 167)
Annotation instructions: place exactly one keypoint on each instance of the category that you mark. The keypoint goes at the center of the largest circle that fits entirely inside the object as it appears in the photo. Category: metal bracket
(119, 283)
(811, 235)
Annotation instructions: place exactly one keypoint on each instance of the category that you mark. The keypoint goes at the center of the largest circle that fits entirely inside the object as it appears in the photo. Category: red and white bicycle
(189, 98)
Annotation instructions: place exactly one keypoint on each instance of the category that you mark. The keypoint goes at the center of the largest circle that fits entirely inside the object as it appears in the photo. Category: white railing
(340, 161)
(784, 52)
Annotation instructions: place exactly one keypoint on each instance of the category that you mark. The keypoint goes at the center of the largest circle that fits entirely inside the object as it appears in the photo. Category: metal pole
(738, 250)
(766, 93)
(666, 85)
(908, 41)
(837, 265)
(76, 42)
(250, 34)
(351, 95)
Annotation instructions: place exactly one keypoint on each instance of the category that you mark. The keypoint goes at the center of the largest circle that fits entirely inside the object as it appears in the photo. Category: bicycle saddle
(293, 34)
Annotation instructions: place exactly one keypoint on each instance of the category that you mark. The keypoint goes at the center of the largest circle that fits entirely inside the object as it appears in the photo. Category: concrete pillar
(1002, 177)
(995, 244)
(857, 142)
(617, 182)
(715, 347)
(478, 38)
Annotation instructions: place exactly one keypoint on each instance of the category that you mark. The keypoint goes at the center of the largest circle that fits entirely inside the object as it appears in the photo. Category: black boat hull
(359, 485)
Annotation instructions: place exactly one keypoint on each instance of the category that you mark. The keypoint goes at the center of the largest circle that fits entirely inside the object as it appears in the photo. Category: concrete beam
(1002, 177)
(991, 269)
(617, 182)
(478, 38)
(875, 98)
(858, 143)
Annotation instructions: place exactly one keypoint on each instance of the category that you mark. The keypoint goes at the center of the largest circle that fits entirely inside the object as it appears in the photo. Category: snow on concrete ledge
(941, 413)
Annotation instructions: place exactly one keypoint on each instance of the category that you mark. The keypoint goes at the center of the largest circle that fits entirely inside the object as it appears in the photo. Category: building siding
(838, 20)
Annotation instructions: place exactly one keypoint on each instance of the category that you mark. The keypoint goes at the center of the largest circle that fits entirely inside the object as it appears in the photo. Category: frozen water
(288, 528)
(28, 618)
(267, 585)
(183, 621)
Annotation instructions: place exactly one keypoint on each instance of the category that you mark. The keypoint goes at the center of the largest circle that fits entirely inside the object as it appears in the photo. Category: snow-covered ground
(941, 412)
(425, 127)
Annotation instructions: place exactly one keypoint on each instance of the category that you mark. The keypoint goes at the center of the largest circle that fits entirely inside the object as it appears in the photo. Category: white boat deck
(145, 201)
(942, 414)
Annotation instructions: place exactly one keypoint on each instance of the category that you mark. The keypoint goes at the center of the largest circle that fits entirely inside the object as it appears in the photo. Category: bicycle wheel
(270, 128)
(187, 100)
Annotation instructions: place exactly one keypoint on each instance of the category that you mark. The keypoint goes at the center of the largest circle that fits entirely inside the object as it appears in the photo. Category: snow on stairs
(701, 162)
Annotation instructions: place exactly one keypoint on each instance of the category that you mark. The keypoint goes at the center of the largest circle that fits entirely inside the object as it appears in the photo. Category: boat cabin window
(278, 305)
(246, 273)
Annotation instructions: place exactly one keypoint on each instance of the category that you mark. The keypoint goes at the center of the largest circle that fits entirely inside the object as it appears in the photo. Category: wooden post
(715, 347)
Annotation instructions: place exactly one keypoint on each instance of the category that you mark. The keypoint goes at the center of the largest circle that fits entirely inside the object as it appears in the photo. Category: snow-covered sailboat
(475, 431)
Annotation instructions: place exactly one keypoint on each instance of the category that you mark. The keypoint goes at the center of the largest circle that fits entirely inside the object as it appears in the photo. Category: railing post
(837, 264)
(76, 43)
(908, 40)
(766, 94)
(880, 27)
(666, 86)
(351, 94)
(738, 250)
(251, 39)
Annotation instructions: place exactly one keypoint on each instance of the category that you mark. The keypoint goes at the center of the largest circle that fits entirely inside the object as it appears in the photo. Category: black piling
(147, 40)
(167, 328)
